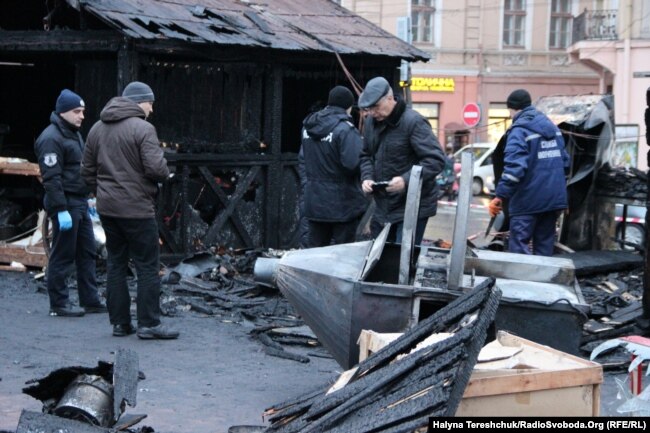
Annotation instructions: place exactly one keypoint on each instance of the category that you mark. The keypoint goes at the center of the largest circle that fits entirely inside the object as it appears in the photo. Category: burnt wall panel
(207, 107)
(223, 204)
(289, 205)
(96, 83)
(32, 83)
(305, 90)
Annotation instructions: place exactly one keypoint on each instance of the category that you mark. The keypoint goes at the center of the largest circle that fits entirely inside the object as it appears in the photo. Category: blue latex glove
(65, 220)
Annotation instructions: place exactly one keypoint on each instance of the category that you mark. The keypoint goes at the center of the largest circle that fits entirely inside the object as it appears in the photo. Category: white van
(483, 182)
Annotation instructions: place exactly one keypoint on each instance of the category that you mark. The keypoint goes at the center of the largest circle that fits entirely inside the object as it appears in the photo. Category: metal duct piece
(88, 398)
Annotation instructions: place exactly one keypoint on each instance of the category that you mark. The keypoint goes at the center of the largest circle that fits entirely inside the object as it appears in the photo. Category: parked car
(634, 226)
(483, 177)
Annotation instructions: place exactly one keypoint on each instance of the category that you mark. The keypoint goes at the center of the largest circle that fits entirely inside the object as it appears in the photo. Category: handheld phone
(380, 186)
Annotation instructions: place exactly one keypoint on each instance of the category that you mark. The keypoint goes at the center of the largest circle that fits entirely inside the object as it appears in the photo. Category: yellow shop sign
(432, 84)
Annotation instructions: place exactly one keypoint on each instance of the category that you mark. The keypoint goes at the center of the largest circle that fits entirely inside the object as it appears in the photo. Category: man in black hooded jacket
(329, 167)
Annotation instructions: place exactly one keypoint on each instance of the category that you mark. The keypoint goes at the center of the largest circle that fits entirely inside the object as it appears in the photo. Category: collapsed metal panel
(588, 125)
(541, 299)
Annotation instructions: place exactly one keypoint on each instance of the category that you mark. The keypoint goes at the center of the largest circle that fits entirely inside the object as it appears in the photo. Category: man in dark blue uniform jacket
(59, 149)
(533, 178)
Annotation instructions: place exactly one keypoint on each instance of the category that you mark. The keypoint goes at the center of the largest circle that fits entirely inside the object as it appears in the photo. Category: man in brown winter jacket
(122, 164)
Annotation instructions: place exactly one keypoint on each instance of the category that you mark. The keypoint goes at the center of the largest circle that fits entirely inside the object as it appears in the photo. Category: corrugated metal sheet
(308, 25)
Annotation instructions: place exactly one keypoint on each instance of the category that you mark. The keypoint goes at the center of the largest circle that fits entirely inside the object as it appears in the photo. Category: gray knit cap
(138, 92)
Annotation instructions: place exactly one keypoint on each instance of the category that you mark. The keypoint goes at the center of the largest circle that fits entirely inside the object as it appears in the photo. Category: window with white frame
(645, 19)
(498, 121)
(514, 23)
(422, 14)
(561, 19)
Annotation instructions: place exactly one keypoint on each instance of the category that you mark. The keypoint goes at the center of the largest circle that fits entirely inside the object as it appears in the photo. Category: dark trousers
(395, 233)
(322, 234)
(135, 239)
(77, 246)
(540, 228)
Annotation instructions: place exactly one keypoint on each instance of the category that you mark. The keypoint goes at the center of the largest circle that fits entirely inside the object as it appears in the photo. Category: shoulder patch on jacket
(49, 159)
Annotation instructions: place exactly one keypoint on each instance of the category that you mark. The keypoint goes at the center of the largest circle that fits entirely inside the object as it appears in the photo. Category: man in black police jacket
(59, 149)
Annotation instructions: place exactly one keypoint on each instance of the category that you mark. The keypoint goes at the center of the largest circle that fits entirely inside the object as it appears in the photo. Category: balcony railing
(595, 26)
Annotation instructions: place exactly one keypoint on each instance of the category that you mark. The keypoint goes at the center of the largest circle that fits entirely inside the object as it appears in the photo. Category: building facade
(481, 50)
(613, 39)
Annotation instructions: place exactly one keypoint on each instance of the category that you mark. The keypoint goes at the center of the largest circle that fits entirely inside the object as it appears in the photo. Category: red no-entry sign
(471, 114)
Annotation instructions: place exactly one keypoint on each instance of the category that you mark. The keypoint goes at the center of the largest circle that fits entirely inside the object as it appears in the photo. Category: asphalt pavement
(212, 377)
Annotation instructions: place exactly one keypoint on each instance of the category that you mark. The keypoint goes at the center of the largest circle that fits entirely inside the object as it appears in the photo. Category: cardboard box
(517, 377)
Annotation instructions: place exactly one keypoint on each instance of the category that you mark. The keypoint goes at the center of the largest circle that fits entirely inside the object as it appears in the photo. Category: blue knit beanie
(68, 100)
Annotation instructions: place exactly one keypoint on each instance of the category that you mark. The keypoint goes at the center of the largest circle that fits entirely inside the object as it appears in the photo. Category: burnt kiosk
(340, 290)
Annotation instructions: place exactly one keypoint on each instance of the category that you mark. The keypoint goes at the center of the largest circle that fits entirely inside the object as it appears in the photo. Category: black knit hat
(341, 97)
(519, 99)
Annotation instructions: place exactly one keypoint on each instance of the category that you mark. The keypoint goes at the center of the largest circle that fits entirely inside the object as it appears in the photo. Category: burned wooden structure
(233, 80)
(399, 388)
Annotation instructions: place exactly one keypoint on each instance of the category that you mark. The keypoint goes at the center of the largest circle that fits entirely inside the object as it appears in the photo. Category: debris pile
(630, 183)
(399, 387)
(612, 284)
(615, 300)
(221, 285)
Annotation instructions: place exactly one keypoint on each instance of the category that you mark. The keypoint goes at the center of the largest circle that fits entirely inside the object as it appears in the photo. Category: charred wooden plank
(632, 308)
(31, 422)
(301, 401)
(199, 283)
(294, 340)
(236, 301)
(628, 329)
(60, 40)
(594, 327)
(595, 262)
(125, 380)
(286, 355)
(28, 256)
(267, 341)
(200, 307)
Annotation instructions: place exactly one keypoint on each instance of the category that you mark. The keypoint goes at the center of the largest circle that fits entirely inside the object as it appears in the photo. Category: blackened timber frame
(60, 40)
(229, 205)
(272, 168)
(273, 123)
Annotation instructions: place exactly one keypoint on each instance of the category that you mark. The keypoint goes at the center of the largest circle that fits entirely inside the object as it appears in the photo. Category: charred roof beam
(60, 40)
